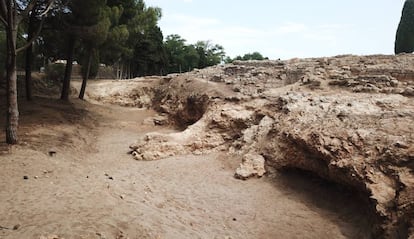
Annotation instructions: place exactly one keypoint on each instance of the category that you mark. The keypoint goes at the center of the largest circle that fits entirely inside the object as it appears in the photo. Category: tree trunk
(130, 71)
(3, 81)
(28, 74)
(117, 71)
(29, 59)
(85, 79)
(121, 74)
(12, 122)
(68, 71)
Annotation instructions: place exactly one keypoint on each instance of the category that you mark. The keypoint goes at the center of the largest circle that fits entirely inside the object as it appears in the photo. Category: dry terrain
(325, 143)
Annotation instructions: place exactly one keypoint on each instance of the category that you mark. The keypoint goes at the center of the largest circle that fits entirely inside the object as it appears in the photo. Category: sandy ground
(91, 187)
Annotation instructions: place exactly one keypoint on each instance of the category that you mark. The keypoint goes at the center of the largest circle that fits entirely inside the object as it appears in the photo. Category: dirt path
(101, 192)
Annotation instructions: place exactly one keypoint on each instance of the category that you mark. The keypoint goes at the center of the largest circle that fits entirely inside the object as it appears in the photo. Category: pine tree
(12, 12)
(87, 23)
(404, 40)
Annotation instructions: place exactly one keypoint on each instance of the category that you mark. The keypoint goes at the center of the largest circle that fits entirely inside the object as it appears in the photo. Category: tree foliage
(180, 56)
(133, 27)
(209, 54)
(247, 57)
(149, 54)
(183, 57)
(404, 40)
(120, 33)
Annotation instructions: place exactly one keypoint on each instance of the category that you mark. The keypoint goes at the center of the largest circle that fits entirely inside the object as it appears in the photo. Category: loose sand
(91, 188)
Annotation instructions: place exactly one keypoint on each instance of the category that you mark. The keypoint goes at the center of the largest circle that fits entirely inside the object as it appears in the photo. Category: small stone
(408, 91)
(401, 145)
(394, 83)
(25, 177)
(122, 196)
(36, 177)
(52, 153)
(16, 227)
(234, 219)
(252, 165)
(111, 178)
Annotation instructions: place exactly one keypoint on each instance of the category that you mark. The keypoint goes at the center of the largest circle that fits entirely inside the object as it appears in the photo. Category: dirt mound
(348, 119)
(90, 188)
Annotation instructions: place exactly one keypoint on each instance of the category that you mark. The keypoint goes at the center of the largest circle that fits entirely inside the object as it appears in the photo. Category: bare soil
(71, 177)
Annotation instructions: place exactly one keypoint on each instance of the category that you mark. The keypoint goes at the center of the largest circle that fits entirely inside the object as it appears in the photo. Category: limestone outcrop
(348, 119)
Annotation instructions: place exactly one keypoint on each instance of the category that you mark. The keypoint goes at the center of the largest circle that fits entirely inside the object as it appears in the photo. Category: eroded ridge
(348, 119)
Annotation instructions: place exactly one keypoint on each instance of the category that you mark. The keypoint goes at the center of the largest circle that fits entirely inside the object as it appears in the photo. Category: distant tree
(228, 59)
(254, 56)
(209, 54)
(137, 23)
(86, 23)
(52, 42)
(191, 58)
(247, 57)
(176, 49)
(183, 57)
(404, 40)
(149, 54)
(115, 46)
(93, 39)
(35, 20)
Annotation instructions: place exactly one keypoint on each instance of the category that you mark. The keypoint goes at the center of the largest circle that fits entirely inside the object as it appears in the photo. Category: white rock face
(252, 165)
(349, 119)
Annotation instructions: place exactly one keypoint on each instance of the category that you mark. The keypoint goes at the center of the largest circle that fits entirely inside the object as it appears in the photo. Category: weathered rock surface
(252, 165)
(348, 119)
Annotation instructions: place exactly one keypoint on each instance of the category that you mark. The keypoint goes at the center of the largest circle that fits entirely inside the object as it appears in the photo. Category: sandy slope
(91, 188)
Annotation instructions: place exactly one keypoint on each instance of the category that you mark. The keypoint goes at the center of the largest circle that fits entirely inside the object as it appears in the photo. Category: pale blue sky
(285, 29)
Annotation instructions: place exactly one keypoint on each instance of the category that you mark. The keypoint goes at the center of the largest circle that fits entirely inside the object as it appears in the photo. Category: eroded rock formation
(348, 119)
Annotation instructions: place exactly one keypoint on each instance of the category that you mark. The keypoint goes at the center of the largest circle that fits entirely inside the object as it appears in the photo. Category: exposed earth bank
(327, 144)
(348, 119)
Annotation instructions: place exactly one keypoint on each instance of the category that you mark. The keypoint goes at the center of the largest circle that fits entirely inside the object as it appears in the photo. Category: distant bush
(247, 57)
(55, 72)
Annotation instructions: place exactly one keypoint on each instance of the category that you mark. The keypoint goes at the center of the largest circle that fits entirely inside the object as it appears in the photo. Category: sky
(285, 29)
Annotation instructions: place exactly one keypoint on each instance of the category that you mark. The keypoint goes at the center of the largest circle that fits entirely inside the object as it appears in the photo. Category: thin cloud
(282, 41)
(292, 27)
(285, 29)
(185, 20)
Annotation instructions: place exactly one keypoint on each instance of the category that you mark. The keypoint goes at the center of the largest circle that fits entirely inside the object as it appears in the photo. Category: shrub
(55, 72)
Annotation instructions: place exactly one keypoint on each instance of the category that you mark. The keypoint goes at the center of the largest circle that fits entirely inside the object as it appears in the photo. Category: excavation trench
(347, 119)
(204, 121)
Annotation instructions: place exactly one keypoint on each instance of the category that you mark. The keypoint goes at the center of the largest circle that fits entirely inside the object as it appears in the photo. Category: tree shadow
(44, 120)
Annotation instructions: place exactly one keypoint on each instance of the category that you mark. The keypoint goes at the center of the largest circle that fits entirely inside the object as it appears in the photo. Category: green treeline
(123, 34)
